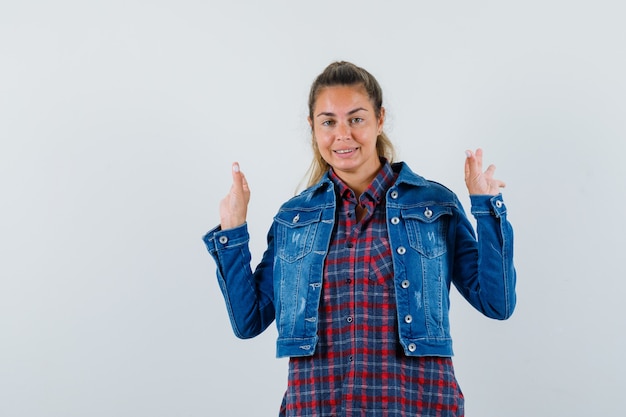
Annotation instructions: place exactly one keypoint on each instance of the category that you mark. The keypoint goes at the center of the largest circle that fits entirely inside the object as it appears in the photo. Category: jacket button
(408, 318)
(295, 219)
(499, 204)
(395, 220)
(405, 284)
(401, 250)
(223, 240)
(412, 347)
(394, 194)
(428, 213)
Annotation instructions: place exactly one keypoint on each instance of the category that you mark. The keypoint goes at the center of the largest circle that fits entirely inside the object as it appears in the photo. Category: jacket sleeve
(249, 296)
(483, 270)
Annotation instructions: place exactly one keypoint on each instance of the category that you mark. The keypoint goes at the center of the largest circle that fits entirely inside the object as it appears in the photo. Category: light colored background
(118, 124)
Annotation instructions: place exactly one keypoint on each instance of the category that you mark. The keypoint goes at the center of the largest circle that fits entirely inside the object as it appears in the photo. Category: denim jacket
(433, 244)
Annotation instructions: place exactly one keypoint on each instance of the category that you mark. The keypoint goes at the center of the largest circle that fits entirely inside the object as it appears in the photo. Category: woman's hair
(346, 73)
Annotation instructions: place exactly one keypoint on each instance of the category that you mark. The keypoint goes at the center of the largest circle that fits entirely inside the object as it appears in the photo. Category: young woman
(358, 267)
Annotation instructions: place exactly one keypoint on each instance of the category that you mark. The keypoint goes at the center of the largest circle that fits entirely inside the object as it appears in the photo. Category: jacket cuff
(483, 205)
(217, 239)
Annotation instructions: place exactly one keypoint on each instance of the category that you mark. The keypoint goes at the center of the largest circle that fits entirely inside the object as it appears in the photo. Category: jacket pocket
(295, 233)
(427, 229)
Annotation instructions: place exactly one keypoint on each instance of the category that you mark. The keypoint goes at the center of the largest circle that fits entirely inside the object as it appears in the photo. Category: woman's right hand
(234, 207)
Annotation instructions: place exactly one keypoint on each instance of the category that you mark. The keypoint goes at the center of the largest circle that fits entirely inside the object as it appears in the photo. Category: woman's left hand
(477, 181)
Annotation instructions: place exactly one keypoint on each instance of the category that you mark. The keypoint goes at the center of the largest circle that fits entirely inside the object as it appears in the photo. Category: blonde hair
(346, 73)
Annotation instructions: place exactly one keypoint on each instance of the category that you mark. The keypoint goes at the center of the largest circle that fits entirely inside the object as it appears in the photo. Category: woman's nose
(343, 131)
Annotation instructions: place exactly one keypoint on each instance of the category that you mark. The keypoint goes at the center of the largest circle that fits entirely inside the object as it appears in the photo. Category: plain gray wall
(118, 124)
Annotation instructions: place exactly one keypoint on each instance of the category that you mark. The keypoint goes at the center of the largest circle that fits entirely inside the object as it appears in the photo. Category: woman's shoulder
(315, 196)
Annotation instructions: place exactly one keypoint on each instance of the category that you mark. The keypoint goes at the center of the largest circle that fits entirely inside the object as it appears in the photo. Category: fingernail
(468, 153)
(236, 167)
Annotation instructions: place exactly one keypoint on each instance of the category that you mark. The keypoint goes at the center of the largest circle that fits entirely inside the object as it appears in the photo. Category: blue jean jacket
(433, 244)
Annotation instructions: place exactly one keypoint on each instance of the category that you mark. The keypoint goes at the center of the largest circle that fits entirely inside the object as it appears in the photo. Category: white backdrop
(118, 124)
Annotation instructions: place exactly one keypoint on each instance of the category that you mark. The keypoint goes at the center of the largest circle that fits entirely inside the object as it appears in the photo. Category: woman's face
(345, 128)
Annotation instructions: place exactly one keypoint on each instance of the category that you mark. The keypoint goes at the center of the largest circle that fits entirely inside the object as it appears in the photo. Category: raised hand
(477, 181)
(234, 207)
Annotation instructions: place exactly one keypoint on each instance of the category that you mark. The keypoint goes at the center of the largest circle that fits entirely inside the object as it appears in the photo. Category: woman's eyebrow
(330, 114)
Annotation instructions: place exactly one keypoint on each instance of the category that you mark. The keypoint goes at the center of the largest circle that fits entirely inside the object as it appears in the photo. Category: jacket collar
(406, 176)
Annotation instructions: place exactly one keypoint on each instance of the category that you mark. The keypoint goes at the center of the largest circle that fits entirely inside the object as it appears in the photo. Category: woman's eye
(356, 120)
(327, 123)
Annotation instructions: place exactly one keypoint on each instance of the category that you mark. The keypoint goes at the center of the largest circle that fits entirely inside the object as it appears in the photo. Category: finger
(472, 165)
(479, 159)
(237, 178)
(469, 162)
(490, 171)
(244, 183)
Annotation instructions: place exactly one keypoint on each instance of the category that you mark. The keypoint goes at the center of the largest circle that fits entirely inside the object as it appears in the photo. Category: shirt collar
(376, 190)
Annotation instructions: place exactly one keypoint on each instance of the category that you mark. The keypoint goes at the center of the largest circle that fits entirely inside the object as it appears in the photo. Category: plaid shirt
(359, 368)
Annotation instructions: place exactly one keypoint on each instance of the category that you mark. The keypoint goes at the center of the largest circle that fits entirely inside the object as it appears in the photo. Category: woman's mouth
(345, 151)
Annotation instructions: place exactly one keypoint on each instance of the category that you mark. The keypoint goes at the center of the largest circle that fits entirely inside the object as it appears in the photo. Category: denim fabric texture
(433, 245)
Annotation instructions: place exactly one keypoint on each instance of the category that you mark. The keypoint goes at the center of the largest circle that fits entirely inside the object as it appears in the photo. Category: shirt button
(349, 319)
(428, 213)
(395, 220)
(412, 347)
(394, 194)
(405, 284)
(350, 245)
(223, 240)
(401, 250)
(349, 281)
(408, 318)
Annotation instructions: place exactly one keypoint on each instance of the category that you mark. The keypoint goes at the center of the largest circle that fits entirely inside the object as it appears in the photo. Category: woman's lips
(345, 153)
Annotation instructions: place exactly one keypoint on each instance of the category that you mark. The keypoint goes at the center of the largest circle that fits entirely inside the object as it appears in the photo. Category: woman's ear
(310, 122)
(381, 120)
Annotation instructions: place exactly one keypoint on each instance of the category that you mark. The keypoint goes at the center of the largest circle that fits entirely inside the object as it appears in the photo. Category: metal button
(223, 240)
(394, 194)
(395, 220)
(295, 219)
(405, 284)
(499, 203)
(401, 250)
(428, 213)
(412, 347)
(408, 318)
(349, 319)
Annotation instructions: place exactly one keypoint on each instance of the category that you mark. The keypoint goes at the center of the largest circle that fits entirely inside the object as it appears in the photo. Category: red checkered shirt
(359, 367)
